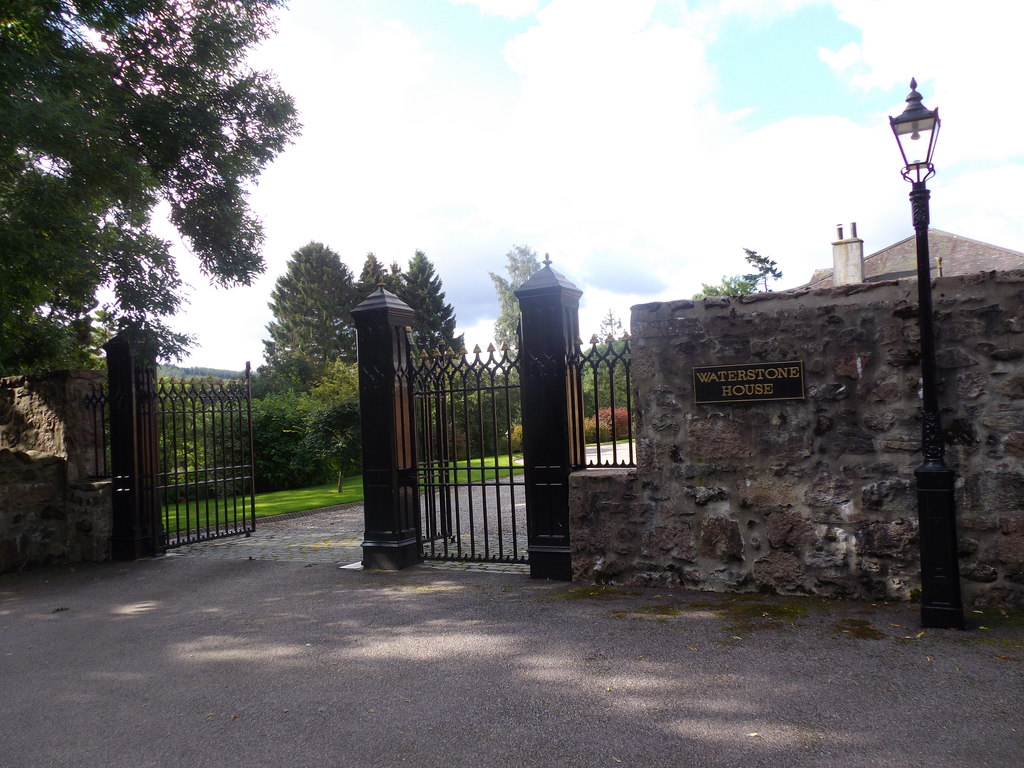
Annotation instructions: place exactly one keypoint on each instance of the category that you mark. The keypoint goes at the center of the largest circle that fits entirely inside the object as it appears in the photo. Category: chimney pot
(848, 258)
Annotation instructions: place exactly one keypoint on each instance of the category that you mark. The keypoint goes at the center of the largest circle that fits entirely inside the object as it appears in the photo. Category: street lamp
(941, 607)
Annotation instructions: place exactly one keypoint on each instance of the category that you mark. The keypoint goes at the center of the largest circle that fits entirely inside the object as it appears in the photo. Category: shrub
(515, 438)
(606, 418)
(281, 459)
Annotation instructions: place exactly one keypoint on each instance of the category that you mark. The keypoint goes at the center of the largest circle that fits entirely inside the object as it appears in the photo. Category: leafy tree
(106, 108)
(339, 383)
(333, 437)
(522, 263)
(312, 323)
(737, 285)
(764, 268)
(420, 288)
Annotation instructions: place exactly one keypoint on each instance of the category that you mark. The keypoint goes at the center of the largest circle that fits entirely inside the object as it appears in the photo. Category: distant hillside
(176, 372)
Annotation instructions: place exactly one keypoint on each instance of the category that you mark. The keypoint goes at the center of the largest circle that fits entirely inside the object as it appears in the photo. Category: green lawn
(300, 499)
(268, 504)
(326, 495)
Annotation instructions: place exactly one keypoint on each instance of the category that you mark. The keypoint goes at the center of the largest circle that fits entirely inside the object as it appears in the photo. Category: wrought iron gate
(441, 434)
(205, 478)
(180, 455)
(469, 456)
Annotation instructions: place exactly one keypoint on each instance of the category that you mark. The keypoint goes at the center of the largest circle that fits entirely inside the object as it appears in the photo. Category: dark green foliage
(281, 458)
(106, 108)
(420, 288)
(737, 285)
(764, 267)
(522, 263)
(312, 324)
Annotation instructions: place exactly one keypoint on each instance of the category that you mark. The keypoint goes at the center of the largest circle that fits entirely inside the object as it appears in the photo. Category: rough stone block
(887, 494)
(769, 493)
(1012, 387)
(674, 542)
(828, 490)
(880, 422)
(789, 529)
(895, 539)
(720, 539)
(1013, 445)
(780, 571)
(979, 572)
(1010, 540)
(717, 438)
(994, 492)
(970, 386)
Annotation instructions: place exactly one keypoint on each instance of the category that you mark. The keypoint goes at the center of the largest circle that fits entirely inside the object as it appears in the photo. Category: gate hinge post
(390, 498)
(134, 449)
(549, 309)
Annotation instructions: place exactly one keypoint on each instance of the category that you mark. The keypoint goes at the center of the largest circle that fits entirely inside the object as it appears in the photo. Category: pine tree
(312, 326)
(420, 288)
(611, 327)
(522, 263)
(765, 268)
(374, 274)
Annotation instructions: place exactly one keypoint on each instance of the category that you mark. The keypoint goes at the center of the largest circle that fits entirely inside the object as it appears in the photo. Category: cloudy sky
(641, 143)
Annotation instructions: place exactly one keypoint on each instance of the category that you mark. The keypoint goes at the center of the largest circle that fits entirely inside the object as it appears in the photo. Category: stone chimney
(847, 257)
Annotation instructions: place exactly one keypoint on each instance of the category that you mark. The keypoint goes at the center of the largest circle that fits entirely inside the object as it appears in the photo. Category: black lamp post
(916, 131)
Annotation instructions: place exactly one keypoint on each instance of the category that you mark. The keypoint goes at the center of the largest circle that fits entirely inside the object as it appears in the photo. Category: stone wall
(816, 496)
(51, 509)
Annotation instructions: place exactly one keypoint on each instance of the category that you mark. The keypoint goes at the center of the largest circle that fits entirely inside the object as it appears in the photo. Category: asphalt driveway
(221, 661)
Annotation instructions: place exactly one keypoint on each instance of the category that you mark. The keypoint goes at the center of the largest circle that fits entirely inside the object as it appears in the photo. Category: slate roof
(950, 255)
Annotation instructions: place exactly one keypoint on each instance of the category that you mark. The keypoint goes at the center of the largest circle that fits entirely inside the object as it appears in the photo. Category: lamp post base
(942, 617)
(941, 605)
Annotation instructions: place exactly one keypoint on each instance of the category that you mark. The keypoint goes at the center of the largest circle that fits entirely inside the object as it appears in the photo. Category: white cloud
(604, 147)
(510, 9)
(960, 56)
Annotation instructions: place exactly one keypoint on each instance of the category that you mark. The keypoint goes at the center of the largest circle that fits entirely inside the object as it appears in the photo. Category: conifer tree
(312, 324)
(420, 288)
(374, 274)
(765, 268)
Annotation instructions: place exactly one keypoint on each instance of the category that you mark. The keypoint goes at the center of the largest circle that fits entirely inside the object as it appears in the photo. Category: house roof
(950, 255)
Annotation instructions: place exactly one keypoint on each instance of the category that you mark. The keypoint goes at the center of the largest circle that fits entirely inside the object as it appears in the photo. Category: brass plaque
(749, 383)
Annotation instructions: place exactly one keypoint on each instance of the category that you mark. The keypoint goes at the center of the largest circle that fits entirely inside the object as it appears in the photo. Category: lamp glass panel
(915, 139)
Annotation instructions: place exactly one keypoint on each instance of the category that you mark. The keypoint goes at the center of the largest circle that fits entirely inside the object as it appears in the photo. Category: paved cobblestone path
(328, 535)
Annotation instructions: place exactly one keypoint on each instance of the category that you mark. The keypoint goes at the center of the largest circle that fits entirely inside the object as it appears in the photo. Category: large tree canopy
(108, 107)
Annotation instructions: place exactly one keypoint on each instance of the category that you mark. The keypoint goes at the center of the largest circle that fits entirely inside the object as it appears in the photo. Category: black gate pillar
(390, 497)
(134, 450)
(549, 305)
